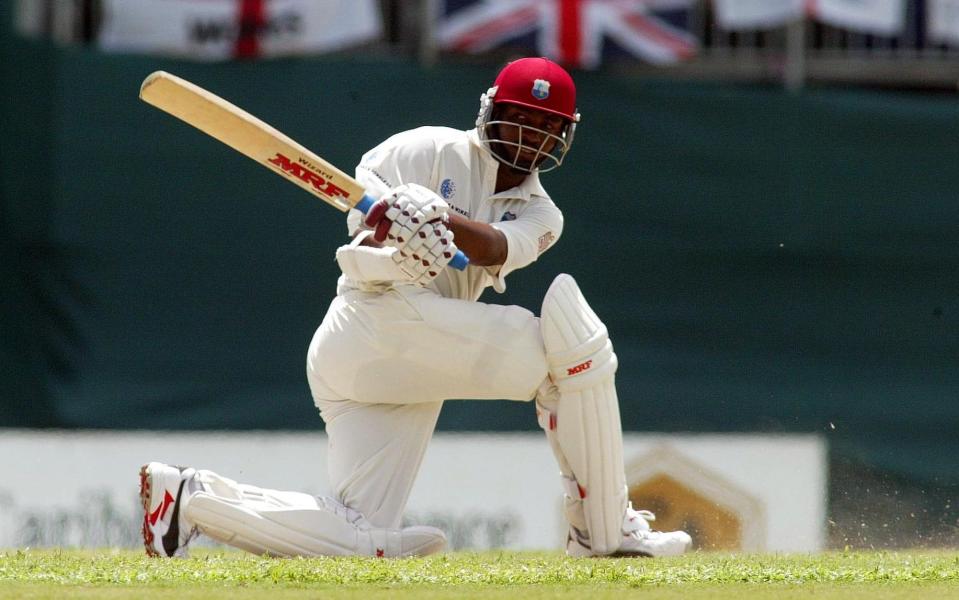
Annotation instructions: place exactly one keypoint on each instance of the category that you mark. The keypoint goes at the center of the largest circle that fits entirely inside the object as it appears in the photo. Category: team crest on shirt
(447, 189)
(540, 89)
(545, 241)
(508, 216)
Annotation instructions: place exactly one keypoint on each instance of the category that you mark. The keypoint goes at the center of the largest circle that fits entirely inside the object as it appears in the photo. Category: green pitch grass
(530, 576)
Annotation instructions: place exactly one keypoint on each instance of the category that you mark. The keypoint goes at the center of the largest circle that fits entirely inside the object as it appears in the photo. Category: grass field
(530, 576)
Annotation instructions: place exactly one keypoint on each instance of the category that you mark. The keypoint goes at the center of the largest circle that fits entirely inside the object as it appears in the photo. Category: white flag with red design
(757, 14)
(881, 17)
(942, 21)
(224, 29)
(572, 32)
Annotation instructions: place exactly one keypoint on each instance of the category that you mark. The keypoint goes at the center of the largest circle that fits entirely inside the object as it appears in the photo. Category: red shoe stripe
(161, 510)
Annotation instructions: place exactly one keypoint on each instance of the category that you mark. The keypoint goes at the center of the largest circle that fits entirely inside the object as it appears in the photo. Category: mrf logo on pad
(579, 368)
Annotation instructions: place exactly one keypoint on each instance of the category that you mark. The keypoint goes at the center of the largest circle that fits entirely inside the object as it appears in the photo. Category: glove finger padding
(422, 198)
(428, 253)
(433, 240)
(404, 226)
(408, 207)
(433, 212)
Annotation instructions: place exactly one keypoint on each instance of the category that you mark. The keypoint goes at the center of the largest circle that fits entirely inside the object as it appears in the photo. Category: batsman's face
(527, 136)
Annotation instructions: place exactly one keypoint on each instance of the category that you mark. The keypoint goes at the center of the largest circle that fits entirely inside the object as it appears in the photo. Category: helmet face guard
(543, 156)
(535, 83)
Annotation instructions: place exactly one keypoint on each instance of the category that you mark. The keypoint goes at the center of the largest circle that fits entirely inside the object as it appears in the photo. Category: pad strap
(545, 417)
(585, 366)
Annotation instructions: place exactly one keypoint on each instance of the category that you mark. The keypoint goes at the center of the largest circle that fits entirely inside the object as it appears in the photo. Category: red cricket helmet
(537, 83)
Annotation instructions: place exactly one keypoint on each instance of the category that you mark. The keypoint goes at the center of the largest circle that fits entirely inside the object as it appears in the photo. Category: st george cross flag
(942, 21)
(223, 29)
(757, 14)
(881, 17)
(572, 32)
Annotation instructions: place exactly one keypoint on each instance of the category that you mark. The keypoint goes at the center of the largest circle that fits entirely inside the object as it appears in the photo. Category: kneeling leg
(279, 523)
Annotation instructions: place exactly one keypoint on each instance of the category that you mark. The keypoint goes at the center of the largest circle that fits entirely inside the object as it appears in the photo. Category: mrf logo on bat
(304, 173)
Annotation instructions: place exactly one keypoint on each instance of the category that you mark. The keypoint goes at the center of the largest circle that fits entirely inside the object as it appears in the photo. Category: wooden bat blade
(252, 137)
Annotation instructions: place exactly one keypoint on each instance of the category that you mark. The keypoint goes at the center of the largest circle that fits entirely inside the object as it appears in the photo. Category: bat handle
(459, 262)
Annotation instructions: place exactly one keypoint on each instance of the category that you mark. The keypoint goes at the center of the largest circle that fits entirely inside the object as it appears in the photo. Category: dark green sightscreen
(764, 262)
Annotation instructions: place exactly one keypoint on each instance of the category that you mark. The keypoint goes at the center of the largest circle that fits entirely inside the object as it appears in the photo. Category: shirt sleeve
(406, 157)
(533, 232)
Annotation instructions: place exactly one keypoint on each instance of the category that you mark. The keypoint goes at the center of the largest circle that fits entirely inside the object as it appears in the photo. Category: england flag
(226, 29)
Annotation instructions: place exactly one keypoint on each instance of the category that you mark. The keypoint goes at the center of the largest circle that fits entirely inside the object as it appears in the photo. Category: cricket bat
(252, 137)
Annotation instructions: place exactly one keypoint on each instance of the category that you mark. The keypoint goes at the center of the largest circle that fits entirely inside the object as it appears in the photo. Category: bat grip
(459, 262)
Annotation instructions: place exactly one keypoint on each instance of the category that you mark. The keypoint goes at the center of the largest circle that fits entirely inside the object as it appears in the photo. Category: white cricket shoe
(161, 489)
(639, 539)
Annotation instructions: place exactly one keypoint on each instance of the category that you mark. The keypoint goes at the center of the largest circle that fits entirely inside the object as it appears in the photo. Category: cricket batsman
(404, 333)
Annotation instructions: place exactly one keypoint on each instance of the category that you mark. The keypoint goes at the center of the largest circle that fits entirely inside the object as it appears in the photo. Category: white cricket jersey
(459, 169)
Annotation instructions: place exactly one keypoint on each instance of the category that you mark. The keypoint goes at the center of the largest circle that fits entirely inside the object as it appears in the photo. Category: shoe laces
(336, 507)
(637, 520)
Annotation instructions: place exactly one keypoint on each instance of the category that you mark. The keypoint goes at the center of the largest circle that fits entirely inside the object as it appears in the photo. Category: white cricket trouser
(380, 367)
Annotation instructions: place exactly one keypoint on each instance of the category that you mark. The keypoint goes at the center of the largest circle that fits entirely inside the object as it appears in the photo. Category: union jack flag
(572, 32)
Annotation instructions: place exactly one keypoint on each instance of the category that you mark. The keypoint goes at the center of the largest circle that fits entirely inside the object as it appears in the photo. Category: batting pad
(259, 521)
(585, 427)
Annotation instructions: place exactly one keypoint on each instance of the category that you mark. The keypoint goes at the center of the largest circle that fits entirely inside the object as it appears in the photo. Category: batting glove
(398, 215)
(427, 253)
